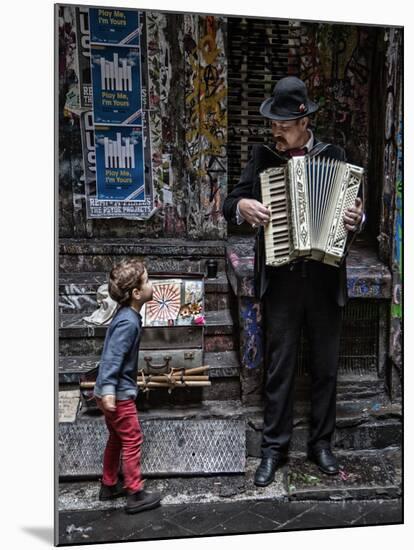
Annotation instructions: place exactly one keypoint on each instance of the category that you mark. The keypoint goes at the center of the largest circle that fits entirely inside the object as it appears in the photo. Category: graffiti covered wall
(335, 62)
(187, 108)
(71, 180)
(206, 123)
(354, 73)
(391, 212)
(391, 141)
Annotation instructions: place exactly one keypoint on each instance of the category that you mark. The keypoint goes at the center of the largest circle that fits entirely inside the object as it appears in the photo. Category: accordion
(307, 199)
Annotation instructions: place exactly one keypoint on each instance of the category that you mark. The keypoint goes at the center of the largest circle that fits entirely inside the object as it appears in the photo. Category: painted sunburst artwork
(165, 303)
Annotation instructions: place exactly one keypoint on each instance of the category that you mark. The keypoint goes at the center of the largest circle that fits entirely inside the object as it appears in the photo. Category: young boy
(116, 388)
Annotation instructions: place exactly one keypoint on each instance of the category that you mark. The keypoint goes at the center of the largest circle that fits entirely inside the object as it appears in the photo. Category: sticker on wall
(165, 305)
(175, 302)
(84, 57)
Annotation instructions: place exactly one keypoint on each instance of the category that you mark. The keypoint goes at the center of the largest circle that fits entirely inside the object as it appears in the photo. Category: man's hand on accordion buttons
(254, 212)
(353, 216)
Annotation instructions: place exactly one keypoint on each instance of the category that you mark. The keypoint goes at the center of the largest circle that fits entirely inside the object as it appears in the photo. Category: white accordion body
(307, 199)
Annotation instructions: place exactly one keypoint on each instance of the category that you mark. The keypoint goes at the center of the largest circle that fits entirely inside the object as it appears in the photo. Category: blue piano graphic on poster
(116, 84)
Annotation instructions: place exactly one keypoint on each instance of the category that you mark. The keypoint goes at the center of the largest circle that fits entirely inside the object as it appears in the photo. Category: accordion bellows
(307, 199)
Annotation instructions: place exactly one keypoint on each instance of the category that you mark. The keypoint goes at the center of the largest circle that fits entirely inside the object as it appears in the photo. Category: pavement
(195, 520)
(366, 492)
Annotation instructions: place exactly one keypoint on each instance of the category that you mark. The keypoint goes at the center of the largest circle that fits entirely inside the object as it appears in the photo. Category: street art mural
(396, 265)
(71, 179)
(206, 122)
(166, 67)
(390, 238)
(182, 185)
(335, 62)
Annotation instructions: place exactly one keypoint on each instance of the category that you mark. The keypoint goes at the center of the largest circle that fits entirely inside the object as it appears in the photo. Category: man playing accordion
(303, 293)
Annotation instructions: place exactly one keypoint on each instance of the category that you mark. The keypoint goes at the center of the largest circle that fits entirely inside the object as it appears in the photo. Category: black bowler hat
(289, 101)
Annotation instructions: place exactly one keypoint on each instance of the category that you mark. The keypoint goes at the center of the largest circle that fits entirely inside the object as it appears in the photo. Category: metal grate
(257, 58)
(170, 447)
(358, 351)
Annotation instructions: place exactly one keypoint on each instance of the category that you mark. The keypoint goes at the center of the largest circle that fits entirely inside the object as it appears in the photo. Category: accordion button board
(307, 199)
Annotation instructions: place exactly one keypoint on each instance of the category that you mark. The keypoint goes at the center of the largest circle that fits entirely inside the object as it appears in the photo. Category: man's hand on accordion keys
(353, 216)
(254, 212)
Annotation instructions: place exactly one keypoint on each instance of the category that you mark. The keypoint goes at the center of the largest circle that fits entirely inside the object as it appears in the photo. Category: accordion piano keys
(277, 239)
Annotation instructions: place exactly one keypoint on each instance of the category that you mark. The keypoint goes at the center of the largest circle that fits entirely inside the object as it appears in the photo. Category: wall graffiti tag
(206, 116)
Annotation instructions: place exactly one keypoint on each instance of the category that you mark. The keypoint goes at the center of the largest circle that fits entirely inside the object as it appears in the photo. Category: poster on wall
(114, 26)
(84, 57)
(115, 131)
(116, 85)
(88, 150)
(114, 158)
(119, 162)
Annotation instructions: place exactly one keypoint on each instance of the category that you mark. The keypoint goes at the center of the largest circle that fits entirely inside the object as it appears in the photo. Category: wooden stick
(190, 383)
(194, 370)
(166, 385)
(187, 381)
(159, 378)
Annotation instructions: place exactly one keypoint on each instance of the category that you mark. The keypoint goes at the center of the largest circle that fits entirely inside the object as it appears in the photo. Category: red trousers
(124, 435)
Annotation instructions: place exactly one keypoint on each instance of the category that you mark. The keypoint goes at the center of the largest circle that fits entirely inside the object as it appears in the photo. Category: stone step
(349, 385)
(367, 276)
(191, 440)
(76, 337)
(360, 424)
(83, 495)
(363, 475)
(161, 255)
(225, 382)
(222, 365)
(77, 292)
(358, 353)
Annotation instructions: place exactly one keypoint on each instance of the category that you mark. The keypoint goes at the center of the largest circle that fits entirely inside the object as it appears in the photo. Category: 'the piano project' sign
(121, 132)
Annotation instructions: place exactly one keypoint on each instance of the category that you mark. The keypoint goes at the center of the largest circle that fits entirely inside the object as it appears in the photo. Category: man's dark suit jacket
(248, 187)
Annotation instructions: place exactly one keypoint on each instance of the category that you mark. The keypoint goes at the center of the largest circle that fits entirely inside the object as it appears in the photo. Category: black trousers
(300, 295)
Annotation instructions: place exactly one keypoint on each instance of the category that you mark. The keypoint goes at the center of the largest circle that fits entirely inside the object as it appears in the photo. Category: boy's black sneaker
(109, 492)
(142, 500)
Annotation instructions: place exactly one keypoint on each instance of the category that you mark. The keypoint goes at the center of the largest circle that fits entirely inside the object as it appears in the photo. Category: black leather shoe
(265, 472)
(142, 500)
(109, 492)
(325, 460)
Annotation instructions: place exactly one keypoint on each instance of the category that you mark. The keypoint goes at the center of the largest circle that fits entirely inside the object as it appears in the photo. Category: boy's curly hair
(124, 277)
